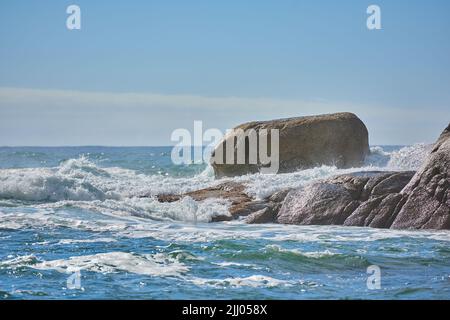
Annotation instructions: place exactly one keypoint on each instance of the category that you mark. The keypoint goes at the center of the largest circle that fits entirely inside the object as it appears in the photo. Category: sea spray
(88, 184)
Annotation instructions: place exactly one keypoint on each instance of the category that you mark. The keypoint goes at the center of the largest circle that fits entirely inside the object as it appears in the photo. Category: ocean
(83, 223)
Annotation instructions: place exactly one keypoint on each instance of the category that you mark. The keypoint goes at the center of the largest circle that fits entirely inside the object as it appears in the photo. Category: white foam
(18, 262)
(158, 265)
(235, 264)
(263, 185)
(409, 158)
(82, 180)
(119, 192)
(186, 210)
(136, 227)
(309, 254)
(80, 183)
(406, 158)
(74, 241)
(253, 281)
(112, 192)
(111, 262)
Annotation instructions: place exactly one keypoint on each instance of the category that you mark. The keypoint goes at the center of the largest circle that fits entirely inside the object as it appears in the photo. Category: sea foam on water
(119, 191)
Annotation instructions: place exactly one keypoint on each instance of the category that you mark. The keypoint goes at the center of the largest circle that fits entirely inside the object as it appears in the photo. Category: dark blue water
(78, 214)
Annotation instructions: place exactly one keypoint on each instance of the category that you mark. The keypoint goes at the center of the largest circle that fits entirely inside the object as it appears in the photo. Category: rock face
(398, 200)
(269, 213)
(357, 199)
(427, 195)
(339, 139)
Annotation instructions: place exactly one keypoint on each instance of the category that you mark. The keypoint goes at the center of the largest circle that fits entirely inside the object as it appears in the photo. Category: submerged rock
(231, 191)
(339, 139)
(241, 204)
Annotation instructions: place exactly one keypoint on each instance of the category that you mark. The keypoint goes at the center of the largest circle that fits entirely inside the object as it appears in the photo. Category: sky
(137, 70)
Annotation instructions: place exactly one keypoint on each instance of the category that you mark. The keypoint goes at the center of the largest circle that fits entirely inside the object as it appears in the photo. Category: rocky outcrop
(427, 204)
(380, 199)
(356, 199)
(269, 213)
(339, 139)
(230, 190)
(241, 204)
(399, 200)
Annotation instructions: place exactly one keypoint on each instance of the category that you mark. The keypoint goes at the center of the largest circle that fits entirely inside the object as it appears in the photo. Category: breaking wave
(406, 158)
(156, 265)
(111, 262)
(84, 184)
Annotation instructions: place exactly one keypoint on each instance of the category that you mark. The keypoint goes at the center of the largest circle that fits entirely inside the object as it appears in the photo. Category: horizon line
(158, 146)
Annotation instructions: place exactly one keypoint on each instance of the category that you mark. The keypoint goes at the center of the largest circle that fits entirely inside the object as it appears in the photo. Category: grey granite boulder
(339, 139)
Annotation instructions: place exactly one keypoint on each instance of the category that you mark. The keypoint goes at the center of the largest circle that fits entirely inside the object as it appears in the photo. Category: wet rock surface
(398, 200)
(379, 199)
(352, 199)
(427, 195)
(241, 204)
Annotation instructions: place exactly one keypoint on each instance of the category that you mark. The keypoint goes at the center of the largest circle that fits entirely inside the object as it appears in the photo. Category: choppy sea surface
(74, 225)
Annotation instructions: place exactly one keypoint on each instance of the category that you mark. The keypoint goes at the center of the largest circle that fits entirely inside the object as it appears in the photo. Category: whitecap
(253, 281)
(112, 262)
(75, 241)
(309, 254)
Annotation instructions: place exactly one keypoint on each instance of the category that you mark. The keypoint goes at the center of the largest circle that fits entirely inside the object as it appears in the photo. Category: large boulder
(427, 195)
(339, 139)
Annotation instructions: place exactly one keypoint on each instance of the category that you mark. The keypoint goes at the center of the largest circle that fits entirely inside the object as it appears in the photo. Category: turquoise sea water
(89, 214)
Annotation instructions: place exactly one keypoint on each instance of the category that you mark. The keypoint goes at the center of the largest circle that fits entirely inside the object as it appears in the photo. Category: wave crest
(405, 158)
(82, 183)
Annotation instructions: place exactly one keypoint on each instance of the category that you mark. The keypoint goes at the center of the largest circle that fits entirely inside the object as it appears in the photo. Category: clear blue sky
(139, 69)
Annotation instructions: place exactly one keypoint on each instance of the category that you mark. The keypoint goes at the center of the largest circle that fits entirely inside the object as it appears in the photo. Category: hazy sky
(137, 70)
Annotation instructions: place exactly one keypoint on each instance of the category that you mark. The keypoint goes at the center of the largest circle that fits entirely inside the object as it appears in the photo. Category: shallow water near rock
(69, 210)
